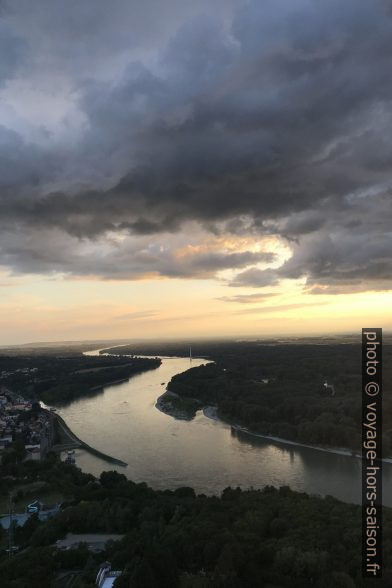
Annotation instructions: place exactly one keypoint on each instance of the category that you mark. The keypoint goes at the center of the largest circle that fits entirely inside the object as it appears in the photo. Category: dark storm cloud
(256, 278)
(246, 117)
(221, 261)
(54, 251)
(352, 252)
(12, 51)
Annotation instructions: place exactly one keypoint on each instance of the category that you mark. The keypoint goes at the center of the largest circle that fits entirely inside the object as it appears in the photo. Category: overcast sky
(240, 148)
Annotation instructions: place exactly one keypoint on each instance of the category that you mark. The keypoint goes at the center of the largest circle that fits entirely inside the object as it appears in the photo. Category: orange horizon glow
(41, 308)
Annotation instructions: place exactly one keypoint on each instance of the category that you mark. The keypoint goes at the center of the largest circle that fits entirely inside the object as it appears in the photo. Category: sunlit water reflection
(122, 421)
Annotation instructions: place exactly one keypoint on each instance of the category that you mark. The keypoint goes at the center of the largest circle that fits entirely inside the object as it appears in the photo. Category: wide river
(208, 455)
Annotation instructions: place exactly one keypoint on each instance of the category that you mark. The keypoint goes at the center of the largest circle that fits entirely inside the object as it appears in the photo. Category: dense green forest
(270, 538)
(278, 388)
(61, 379)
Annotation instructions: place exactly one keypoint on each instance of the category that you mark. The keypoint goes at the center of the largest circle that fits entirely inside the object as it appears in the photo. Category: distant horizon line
(120, 341)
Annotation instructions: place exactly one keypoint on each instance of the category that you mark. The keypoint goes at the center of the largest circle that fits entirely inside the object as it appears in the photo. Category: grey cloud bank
(259, 118)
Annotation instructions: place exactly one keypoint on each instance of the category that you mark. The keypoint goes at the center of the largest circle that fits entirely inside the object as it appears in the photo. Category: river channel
(208, 455)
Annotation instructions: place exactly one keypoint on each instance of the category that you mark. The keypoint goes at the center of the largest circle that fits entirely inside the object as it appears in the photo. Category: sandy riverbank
(166, 403)
(211, 413)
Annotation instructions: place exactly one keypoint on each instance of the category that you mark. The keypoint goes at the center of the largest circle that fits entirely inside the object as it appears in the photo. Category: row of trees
(172, 539)
(279, 390)
(59, 380)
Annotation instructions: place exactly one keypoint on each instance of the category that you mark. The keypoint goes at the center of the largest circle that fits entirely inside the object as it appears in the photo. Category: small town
(23, 422)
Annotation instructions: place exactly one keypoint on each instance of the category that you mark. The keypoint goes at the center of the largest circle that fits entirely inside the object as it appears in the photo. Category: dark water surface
(122, 421)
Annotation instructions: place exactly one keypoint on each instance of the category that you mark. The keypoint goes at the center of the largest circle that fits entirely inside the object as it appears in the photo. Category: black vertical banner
(372, 453)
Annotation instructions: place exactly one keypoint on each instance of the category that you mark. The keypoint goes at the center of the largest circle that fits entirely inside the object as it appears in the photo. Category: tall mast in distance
(190, 353)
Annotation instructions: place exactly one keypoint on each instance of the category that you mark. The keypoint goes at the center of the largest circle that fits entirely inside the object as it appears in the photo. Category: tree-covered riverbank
(251, 539)
(309, 394)
(62, 379)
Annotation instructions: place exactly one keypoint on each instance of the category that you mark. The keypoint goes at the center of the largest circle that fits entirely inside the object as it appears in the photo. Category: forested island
(307, 393)
(61, 379)
(270, 538)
